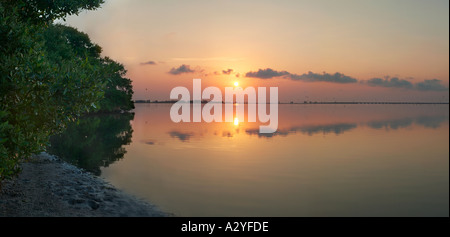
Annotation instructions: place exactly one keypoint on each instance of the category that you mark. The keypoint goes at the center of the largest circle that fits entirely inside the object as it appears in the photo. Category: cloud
(227, 72)
(181, 69)
(431, 85)
(325, 77)
(149, 63)
(225, 59)
(149, 142)
(269, 73)
(426, 85)
(266, 73)
(390, 82)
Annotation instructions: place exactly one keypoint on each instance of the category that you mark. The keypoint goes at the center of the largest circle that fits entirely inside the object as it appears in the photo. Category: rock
(74, 201)
(93, 204)
(55, 188)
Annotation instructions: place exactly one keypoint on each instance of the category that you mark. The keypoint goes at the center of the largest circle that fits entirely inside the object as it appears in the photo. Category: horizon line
(305, 102)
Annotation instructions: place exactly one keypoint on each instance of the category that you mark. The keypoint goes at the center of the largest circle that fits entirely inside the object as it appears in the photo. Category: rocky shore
(50, 187)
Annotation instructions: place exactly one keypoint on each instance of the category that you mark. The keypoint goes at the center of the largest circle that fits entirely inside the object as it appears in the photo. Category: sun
(236, 121)
(236, 83)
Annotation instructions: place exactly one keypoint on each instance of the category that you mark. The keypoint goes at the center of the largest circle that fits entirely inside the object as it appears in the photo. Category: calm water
(324, 160)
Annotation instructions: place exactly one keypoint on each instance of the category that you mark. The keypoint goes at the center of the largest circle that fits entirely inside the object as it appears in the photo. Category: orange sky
(404, 39)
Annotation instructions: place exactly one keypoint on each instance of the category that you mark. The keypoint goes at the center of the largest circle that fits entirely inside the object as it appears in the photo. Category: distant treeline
(49, 76)
(305, 102)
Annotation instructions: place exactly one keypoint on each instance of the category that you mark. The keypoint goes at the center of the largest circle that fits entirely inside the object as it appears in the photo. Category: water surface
(324, 160)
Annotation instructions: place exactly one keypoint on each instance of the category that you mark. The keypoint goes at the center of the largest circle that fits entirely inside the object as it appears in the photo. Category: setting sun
(236, 121)
(340, 112)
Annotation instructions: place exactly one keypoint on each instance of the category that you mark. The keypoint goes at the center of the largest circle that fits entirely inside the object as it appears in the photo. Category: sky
(322, 50)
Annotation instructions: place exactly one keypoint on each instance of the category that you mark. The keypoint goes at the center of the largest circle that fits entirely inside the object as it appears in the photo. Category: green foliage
(49, 76)
(119, 91)
(44, 11)
(7, 166)
(64, 43)
(38, 97)
(94, 141)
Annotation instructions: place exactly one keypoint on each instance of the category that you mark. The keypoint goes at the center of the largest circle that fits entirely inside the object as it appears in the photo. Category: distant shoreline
(302, 103)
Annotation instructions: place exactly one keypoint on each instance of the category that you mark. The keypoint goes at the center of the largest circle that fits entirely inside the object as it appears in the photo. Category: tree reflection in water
(94, 141)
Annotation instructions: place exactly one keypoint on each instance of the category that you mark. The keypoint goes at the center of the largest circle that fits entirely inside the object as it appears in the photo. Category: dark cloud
(390, 82)
(431, 85)
(269, 73)
(149, 63)
(266, 73)
(325, 77)
(228, 71)
(149, 142)
(180, 135)
(181, 69)
(394, 82)
(426, 85)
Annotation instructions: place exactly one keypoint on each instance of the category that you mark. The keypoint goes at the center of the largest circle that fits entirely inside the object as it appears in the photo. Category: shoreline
(51, 187)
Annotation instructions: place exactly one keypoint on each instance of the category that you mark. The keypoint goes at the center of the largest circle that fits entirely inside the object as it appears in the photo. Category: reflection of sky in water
(324, 160)
(418, 118)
